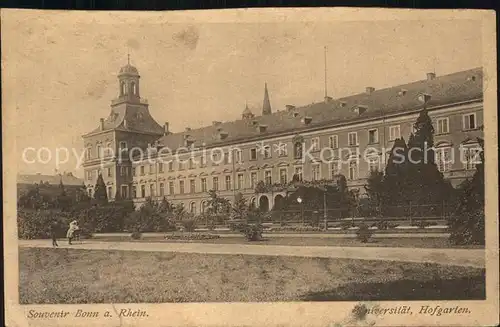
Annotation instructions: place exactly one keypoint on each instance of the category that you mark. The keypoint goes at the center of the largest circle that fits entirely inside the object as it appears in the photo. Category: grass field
(428, 242)
(49, 276)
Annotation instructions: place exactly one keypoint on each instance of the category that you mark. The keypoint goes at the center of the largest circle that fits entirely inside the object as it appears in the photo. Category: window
(334, 141)
(443, 161)
(442, 126)
(124, 193)
(240, 182)
(123, 90)
(171, 188)
(282, 149)
(90, 192)
(215, 183)
(192, 207)
(268, 179)
(353, 170)
(109, 172)
(372, 136)
(134, 89)
(373, 164)
(192, 186)
(151, 169)
(297, 150)
(469, 121)
(162, 189)
(334, 169)
(471, 157)
(216, 158)
(394, 133)
(315, 144)
(315, 172)
(133, 171)
(203, 184)
(228, 182)
(88, 153)
(238, 157)
(152, 190)
(227, 158)
(267, 152)
(134, 192)
(283, 176)
(110, 192)
(353, 138)
(203, 160)
(160, 167)
(142, 170)
(253, 154)
(89, 175)
(181, 187)
(123, 171)
(204, 206)
(181, 165)
(253, 179)
(123, 146)
(99, 151)
(190, 163)
(108, 151)
(298, 173)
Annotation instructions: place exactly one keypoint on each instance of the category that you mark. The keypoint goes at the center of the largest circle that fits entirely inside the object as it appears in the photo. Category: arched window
(192, 207)
(204, 206)
(89, 152)
(297, 150)
(133, 86)
(123, 89)
(99, 150)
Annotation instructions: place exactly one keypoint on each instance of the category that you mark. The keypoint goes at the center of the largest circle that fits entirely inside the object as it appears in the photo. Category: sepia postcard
(252, 167)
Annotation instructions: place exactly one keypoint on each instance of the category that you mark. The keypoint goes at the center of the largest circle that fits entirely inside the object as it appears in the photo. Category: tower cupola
(128, 78)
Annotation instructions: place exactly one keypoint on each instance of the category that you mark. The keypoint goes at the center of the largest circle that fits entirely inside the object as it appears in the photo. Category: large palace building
(139, 158)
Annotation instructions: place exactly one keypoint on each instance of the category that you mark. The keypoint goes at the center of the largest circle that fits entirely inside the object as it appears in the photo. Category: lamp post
(299, 200)
(325, 217)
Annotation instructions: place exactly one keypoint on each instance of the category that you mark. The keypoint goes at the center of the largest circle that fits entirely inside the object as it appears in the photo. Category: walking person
(54, 229)
(73, 226)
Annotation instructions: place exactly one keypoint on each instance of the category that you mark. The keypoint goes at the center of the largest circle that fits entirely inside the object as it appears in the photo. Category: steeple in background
(266, 106)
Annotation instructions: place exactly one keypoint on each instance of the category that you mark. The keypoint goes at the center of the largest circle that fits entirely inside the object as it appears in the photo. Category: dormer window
(223, 135)
(306, 120)
(255, 123)
(295, 114)
(402, 92)
(262, 128)
(360, 109)
(342, 104)
(424, 97)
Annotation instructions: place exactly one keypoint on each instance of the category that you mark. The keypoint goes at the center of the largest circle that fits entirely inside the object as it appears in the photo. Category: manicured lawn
(427, 242)
(90, 276)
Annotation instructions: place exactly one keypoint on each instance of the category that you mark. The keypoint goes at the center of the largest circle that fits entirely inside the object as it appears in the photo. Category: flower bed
(191, 236)
(294, 229)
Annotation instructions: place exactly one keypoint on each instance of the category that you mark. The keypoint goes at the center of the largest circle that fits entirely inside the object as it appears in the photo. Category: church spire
(266, 106)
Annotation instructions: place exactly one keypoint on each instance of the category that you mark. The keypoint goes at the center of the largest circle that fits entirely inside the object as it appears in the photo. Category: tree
(240, 207)
(396, 175)
(63, 201)
(375, 189)
(100, 194)
(467, 224)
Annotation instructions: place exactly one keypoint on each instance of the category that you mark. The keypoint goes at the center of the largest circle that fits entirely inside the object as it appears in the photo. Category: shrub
(253, 232)
(136, 235)
(364, 233)
(421, 224)
(191, 236)
(189, 225)
(382, 225)
(346, 225)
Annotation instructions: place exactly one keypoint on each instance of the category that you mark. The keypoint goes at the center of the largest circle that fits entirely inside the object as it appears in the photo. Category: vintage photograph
(183, 162)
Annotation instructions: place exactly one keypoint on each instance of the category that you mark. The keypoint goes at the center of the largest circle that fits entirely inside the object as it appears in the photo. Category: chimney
(431, 76)
(166, 130)
(289, 107)
(369, 90)
(328, 99)
(216, 123)
(102, 124)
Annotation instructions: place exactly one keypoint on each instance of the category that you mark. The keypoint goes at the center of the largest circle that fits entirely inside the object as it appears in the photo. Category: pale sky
(62, 71)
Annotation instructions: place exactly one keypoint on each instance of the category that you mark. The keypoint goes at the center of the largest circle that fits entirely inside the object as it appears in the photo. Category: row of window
(103, 152)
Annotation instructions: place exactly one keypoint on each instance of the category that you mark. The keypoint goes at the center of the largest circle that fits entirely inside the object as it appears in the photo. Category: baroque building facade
(350, 136)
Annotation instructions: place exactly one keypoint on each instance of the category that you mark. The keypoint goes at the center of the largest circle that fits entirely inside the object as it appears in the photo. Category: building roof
(266, 105)
(68, 179)
(448, 89)
(126, 118)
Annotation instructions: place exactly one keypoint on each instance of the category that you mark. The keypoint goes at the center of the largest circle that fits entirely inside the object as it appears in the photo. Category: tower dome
(247, 113)
(129, 70)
